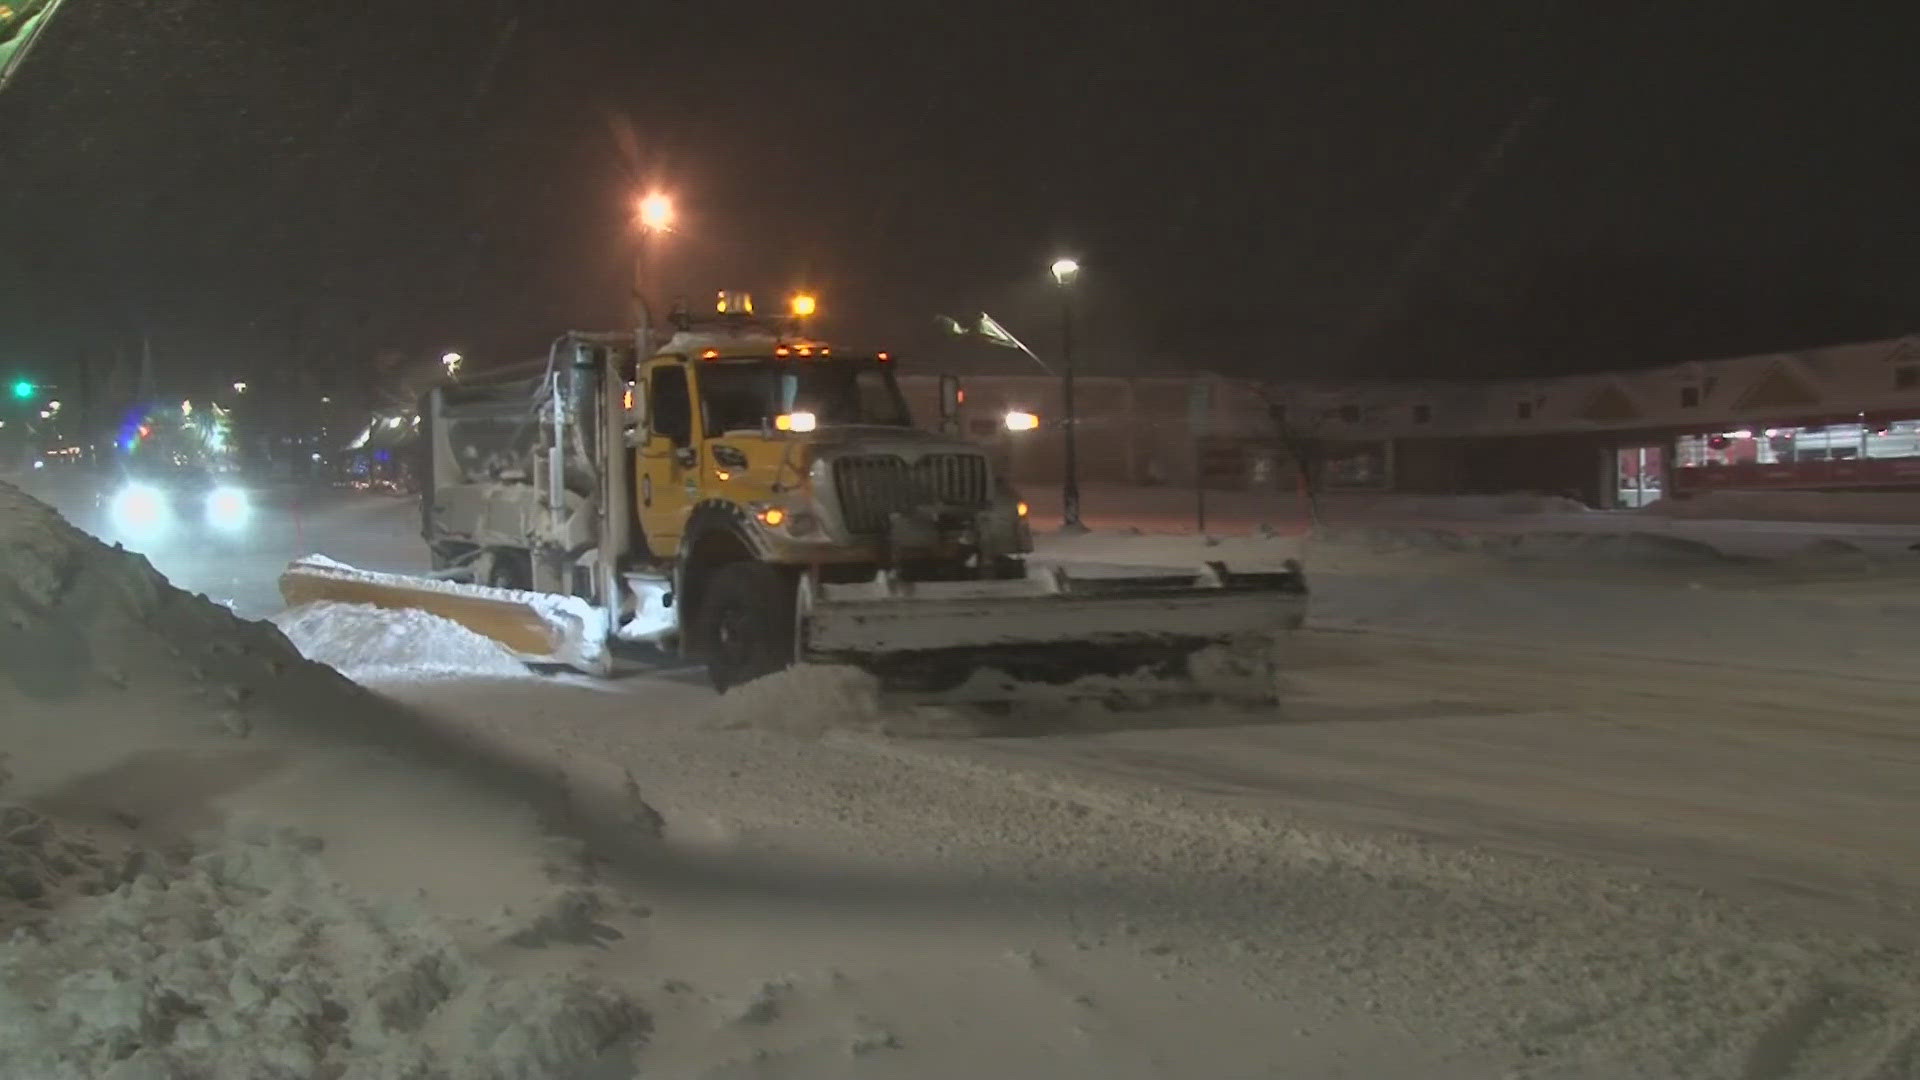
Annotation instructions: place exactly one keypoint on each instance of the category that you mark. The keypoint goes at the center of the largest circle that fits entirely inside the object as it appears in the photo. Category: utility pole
(1064, 272)
(88, 430)
(653, 214)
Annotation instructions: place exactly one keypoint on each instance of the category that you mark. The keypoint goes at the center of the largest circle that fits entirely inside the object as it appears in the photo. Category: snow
(581, 626)
(1862, 507)
(165, 915)
(804, 700)
(246, 960)
(1560, 807)
(371, 644)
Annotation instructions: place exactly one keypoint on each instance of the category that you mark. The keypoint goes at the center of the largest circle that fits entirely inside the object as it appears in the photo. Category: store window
(1357, 466)
(1866, 440)
(1638, 476)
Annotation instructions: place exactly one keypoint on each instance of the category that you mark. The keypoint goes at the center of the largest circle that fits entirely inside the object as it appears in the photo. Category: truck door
(668, 459)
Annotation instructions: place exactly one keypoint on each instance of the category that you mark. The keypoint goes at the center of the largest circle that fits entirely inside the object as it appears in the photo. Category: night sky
(1321, 190)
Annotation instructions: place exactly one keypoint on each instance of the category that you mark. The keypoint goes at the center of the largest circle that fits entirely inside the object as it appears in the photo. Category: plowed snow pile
(371, 644)
(147, 937)
(805, 700)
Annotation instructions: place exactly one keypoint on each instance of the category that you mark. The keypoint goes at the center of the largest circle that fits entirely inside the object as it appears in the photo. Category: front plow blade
(539, 628)
(1126, 641)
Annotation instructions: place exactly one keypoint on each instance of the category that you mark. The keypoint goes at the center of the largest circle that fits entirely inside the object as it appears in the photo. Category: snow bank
(144, 936)
(370, 644)
(1618, 549)
(1621, 549)
(247, 961)
(1853, 507)
(39, 861)
(1463, 507)
(806, 699)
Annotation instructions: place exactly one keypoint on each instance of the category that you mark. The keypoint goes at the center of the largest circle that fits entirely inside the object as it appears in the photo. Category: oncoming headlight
(139, 509)
(227, 508)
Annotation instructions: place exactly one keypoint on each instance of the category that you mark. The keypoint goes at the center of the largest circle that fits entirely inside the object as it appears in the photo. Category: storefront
(1639, 476)
(1861, 452)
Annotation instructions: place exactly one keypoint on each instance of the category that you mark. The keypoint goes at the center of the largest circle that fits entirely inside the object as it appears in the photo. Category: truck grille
(874, 486)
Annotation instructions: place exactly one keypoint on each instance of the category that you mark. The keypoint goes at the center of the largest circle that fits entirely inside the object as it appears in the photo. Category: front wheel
(746, 623)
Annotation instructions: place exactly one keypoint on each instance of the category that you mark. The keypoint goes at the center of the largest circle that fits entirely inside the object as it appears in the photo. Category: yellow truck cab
(806, 455)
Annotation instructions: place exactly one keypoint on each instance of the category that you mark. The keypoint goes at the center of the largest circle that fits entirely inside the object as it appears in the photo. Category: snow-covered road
(1569, 809)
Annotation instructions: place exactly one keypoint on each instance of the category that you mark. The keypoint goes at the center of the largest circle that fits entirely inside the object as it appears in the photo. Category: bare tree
(1296, 426)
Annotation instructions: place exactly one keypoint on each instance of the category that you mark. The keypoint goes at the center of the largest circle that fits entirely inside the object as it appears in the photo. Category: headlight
(139, 508)
(227, 508)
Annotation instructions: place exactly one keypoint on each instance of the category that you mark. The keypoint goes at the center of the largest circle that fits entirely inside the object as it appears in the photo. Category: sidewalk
(1240, 513)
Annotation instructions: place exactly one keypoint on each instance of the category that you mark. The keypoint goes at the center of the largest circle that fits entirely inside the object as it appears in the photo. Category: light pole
(652, 213)
(1064, 271)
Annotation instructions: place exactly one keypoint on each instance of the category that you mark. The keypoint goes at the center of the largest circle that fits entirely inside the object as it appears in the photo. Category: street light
(1064, 272)
(655, 211)
(451, 361)
(239, 387)
(653, 214)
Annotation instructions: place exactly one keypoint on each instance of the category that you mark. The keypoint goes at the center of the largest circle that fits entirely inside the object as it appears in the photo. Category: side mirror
(950, 397)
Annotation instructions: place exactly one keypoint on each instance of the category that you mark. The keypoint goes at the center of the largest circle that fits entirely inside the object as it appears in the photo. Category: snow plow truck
(749, 497)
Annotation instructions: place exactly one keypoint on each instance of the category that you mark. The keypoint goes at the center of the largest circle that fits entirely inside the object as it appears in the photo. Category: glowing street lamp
(23, 389)
(451, 361)
(239, 387)
(1064, 271)
(653, 214)
(804, 305)
(655, 210)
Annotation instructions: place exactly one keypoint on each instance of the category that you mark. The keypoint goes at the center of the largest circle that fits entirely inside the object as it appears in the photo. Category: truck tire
(745, 628)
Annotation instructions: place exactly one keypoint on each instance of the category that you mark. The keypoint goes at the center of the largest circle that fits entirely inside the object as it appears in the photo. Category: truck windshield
(747, 396)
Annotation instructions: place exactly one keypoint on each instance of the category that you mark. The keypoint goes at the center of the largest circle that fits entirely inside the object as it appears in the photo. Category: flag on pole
(993, 332)
(1000, 335)
(20, 22)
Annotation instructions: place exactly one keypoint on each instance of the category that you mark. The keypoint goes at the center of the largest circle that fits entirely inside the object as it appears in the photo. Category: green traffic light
(23, 389)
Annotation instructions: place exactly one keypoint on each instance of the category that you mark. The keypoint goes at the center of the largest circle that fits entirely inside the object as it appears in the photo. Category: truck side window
(669, 406)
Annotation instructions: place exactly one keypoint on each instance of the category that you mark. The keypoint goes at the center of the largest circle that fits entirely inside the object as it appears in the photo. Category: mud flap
(1126, 641)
